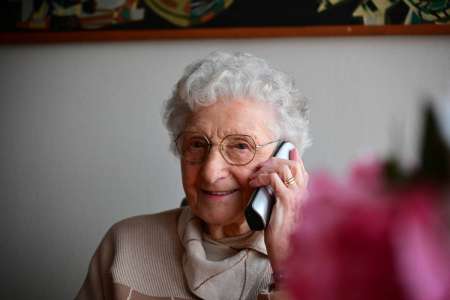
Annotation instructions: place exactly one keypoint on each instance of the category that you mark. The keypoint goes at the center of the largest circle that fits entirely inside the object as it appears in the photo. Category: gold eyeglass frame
(210, 145)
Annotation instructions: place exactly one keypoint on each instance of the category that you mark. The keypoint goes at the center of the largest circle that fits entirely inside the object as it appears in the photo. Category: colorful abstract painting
(90, 15)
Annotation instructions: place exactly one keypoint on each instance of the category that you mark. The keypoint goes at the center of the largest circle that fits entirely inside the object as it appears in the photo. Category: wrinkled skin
(223, 213)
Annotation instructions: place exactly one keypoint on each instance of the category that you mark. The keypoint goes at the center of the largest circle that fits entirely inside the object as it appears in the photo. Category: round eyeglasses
(236, 149)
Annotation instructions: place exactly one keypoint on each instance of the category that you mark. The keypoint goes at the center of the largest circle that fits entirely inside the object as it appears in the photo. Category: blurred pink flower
(358, 240)
(367, 174)
(421, 247)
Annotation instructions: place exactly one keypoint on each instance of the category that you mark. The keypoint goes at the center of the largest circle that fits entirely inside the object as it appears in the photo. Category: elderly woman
(226, 116)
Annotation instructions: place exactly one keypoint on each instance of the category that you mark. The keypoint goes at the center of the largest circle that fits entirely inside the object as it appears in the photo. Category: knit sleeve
(98, 282)
(264, 293)
(275, 295)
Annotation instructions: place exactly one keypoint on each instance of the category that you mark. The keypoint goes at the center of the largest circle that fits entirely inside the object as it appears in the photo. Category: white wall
(82, 143)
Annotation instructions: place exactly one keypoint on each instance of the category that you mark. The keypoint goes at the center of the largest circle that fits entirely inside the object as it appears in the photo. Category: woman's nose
(214, 167)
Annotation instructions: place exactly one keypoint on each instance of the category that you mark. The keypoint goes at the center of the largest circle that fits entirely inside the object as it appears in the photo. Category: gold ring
(289, 181)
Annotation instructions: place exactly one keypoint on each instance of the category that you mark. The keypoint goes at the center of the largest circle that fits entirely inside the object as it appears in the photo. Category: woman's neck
(218, 232)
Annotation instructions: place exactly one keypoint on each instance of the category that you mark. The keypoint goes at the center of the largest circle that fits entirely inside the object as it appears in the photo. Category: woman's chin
(220, 210)
(222, 216)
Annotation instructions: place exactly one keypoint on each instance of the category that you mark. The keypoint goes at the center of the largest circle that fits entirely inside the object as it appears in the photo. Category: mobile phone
(261, 201)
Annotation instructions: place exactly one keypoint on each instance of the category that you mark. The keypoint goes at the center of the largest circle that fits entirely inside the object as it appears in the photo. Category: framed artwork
(94, 20)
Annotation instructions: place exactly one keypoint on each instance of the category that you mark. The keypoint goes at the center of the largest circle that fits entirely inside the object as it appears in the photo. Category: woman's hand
(275, 172)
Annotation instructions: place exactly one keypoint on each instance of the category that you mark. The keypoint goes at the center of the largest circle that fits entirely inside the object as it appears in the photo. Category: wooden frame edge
(220, 33)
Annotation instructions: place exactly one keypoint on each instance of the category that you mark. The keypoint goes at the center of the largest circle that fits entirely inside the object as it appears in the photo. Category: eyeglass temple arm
(268, 143)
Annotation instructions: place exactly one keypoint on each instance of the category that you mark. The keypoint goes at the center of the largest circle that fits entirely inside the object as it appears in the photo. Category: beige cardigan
(167, 256)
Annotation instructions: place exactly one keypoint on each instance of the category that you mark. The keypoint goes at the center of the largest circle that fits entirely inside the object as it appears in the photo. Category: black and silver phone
(261, 201)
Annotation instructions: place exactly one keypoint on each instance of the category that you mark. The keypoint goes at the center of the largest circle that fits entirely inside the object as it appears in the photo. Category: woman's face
(216, 191)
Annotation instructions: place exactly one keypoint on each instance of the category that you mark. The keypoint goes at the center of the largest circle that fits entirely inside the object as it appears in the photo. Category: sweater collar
(217, 268)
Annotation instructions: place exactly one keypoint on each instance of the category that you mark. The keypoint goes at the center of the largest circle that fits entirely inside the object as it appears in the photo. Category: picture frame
(61, 21)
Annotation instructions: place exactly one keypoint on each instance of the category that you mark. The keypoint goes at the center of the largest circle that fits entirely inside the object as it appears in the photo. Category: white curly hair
(229, 76)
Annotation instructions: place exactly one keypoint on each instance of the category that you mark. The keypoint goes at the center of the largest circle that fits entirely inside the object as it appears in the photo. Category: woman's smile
(219, 194)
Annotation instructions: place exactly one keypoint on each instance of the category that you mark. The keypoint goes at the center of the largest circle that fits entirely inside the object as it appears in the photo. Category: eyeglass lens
(235, 149)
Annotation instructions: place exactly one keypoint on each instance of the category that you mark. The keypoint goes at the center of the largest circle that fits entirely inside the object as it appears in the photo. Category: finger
(286, 176)
(278, 185)
(261, 180)
(264, 165)
(271, 162)
(304, 173)
(293, 155)
(274, 165)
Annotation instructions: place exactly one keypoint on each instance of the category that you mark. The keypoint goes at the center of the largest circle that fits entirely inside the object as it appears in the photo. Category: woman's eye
(197, 144)
(241, 146)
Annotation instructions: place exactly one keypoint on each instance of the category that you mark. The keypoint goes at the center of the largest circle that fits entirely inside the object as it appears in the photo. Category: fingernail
(293, 154)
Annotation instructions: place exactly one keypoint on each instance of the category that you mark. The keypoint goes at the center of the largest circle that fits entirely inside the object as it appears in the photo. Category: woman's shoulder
(162, 222)
(135, 251)
(129, 241)
(147, 219)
